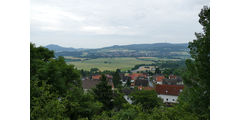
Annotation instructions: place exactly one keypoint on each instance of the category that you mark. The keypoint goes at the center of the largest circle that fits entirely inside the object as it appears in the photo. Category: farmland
(156, 59)
(123, 63)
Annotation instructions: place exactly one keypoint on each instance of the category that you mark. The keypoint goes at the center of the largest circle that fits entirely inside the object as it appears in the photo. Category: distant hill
(163, 50)
(150, 47)
(58, 48)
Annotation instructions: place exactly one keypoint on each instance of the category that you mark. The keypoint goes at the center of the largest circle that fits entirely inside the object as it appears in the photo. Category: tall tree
(157, 71)
(128, 84)
(196, 96)
(116, 78)
(103, 93)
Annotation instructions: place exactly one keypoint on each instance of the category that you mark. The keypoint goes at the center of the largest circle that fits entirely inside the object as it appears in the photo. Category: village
(168, 87)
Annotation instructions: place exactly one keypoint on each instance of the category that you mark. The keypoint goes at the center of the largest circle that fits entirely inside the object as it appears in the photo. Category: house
(134, 76)
(132, 85)
(90, 84)
(126, 93)
(176, 81)
(169, 93)
(141, 82)
(172, 76)
(159, 79)
(96, 77)
(136, 79)
(109, 77)
(124, 80)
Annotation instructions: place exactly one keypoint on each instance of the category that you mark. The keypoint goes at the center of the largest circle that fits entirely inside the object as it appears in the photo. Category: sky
(101, 23)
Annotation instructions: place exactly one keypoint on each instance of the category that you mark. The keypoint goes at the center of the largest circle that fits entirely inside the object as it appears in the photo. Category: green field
(156, 59)
(123, 63)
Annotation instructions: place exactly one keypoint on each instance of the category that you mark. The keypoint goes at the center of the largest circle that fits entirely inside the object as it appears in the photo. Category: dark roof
(172, 81)
(89, 84)
(169, 89)
(125, 78)
(127, 91)
(140, 82)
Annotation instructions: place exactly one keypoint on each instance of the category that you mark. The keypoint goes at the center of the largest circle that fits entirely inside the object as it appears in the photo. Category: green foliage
(38, 57)
(196, 96)
(103, 93)
(45, 105)
(147, 98)
(94, 70)
(157, 71)
(56, 91)
(116, 79)
(80, 105)
(60, 75)
(118, 100)
(128, 82)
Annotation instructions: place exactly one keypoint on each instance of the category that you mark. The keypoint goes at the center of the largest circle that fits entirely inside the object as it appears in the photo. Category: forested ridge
(135, 50)
(56, 91)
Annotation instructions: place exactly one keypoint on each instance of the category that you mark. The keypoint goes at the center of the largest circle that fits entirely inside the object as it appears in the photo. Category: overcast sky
(101, 23)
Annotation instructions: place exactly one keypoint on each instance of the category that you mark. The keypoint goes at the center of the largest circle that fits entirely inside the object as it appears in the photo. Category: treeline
(57, 93)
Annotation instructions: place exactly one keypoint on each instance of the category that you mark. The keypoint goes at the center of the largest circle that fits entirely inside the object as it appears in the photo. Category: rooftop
(169, 89)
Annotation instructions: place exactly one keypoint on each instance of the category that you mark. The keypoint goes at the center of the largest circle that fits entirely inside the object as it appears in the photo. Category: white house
(169, 93)
(128, 99)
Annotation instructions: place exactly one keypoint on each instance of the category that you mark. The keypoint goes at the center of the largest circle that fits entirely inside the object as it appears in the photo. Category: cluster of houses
(167, 88)
(91, 82)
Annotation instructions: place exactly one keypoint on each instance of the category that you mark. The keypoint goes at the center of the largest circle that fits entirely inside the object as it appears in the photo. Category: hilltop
(58, 48)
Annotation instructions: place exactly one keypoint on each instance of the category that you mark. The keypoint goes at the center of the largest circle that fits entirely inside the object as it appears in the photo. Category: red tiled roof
(136, 75)
(96, 77)
(169, 89)
(159, 78)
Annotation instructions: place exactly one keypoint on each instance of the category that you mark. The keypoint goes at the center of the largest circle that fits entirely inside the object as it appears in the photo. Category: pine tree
(103, 93)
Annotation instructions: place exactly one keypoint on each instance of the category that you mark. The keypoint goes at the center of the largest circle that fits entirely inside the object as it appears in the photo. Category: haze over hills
(164, 50)
(58, 48)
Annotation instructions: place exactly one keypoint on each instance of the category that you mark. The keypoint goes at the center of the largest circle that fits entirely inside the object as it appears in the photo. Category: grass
(156, 59)
(123, 63)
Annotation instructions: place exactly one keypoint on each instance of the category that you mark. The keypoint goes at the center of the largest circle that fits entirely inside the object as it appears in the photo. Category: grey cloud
(99, 23)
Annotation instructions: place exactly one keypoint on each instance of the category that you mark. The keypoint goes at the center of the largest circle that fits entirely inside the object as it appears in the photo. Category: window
(166, 99)
(173, 99)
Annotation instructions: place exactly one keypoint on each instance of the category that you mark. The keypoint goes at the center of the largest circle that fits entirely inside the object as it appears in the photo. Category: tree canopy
(196, 96)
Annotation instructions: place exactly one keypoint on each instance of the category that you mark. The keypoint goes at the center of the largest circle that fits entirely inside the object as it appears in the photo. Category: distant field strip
(123, 63)
(156, 59)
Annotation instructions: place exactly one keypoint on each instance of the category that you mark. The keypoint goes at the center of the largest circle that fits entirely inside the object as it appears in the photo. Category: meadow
(123, 63)
(156, 59)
